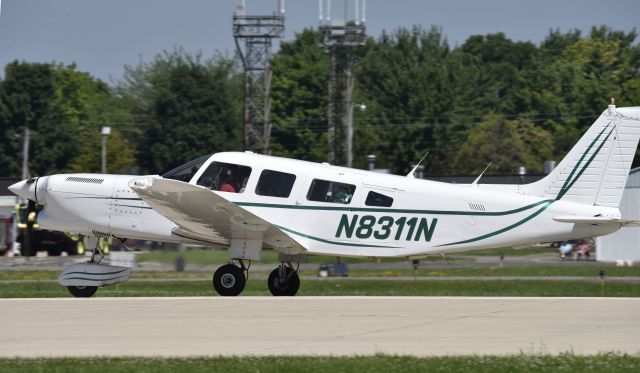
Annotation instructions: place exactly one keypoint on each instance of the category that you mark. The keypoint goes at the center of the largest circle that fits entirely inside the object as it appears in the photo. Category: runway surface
(420, 326)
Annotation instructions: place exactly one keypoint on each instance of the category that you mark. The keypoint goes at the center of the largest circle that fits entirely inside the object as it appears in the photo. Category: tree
(299, 95)
(59, 105)
(185, 107)
(506, 143)
(405, 83)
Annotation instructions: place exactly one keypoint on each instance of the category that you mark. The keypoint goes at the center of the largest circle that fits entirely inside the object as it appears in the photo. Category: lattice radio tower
(341, 38)
(257, 32)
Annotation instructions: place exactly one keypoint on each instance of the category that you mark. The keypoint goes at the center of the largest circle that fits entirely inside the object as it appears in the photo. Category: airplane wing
(205, 216)
(597, 220)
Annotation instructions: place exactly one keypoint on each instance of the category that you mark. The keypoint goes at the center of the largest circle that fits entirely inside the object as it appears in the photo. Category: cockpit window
(186, 171)
(275, 184)
(225, 177)
(330, 191)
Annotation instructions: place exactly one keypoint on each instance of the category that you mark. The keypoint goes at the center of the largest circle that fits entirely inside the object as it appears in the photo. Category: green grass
(210, 256)
(379, 363)
(343, 287)
(571, 269)
(197, 256)
(581, 269)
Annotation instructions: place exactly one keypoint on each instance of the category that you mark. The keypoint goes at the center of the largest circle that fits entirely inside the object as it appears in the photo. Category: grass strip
(345, 287)
(568, 269)
(379, 363)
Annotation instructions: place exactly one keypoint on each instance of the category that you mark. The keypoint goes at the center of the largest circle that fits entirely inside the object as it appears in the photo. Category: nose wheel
(82, 291)
(229, 280)
(284, 281)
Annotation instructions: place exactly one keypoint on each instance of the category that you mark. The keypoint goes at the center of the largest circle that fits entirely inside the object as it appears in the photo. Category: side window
(225, 177)
(275, 184)
(330, 191)
(377, 199)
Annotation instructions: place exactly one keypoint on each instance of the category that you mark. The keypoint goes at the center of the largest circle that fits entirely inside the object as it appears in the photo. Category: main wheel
(287, 286)
(82, 291)
(229, 280)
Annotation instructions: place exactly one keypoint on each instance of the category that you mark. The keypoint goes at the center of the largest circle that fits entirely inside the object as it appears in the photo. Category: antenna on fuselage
(410, 174)
(475, 182)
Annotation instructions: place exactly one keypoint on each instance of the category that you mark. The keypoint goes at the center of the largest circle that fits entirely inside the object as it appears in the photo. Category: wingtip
(141, 183)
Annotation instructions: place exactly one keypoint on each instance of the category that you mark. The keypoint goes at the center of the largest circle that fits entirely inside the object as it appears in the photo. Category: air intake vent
(100, 234)
(477, 206)
(90, 180)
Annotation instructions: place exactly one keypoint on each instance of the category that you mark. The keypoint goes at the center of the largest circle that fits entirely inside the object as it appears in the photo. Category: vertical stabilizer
(595, 171)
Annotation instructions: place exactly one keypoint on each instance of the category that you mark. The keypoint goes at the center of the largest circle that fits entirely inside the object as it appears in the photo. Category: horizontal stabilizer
(600, 220)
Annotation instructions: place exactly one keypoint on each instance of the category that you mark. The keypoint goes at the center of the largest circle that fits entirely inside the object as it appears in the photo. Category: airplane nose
(25, 189)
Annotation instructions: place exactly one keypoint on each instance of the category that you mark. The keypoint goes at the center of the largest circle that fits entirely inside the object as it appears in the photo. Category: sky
(102, 36)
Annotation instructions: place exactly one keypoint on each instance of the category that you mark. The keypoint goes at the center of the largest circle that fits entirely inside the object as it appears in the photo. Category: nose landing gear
(82, 291)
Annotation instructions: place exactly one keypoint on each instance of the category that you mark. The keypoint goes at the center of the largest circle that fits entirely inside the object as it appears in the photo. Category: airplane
(248, 202)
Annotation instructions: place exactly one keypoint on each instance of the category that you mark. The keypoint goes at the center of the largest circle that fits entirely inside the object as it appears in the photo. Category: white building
(625, 243)
(7, 206)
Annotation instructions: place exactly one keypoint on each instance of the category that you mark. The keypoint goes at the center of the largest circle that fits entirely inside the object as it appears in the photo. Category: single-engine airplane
(248, 202)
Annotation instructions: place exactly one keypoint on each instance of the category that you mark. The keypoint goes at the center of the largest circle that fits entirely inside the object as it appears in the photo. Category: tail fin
(595, 171)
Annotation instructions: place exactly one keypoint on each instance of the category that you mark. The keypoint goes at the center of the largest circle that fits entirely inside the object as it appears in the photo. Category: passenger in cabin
(229, 184)
(343, 195)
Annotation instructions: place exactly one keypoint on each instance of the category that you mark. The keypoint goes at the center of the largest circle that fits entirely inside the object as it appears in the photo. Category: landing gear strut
(284, 280)
(229, 280)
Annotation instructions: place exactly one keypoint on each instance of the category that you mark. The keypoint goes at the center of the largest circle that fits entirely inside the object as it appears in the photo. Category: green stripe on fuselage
(387, 210)
(505, 229)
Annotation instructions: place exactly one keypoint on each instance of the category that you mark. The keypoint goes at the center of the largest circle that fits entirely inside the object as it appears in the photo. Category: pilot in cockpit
(230, 183)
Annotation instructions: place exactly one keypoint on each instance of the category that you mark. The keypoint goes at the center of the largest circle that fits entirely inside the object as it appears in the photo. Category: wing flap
(204, 215)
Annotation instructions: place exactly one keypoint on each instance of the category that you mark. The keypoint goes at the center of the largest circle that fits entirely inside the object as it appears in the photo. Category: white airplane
(248, 202)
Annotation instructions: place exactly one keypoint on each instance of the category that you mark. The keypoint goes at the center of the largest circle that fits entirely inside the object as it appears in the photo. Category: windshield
(186, 171)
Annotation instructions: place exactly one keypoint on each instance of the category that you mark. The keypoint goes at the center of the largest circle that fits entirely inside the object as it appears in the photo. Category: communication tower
(257, 32)
(341, 37)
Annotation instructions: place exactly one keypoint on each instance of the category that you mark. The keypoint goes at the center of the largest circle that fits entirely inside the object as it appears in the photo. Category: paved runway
(419, 326)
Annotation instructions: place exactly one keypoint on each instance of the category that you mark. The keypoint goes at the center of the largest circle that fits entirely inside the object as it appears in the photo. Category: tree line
(490, 99)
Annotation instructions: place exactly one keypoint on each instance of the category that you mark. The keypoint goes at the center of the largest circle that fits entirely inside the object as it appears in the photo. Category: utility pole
(31, 206)
(257, 32)
(341, 38)
(106, 131)
(25, 153)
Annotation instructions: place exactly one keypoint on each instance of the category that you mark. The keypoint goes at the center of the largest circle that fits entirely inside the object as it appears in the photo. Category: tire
(286, 288)
(54, 251)
(82, 291)
(229, 280)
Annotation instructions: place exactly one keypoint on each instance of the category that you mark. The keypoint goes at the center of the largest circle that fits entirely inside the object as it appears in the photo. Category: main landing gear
(284, 280)
(230, 279)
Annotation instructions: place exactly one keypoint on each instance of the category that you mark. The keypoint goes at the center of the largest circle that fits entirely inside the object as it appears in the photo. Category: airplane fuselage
(422, 217)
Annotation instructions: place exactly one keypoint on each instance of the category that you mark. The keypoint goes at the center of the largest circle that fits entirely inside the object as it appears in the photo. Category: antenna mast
(341, 37)
(257, 32)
